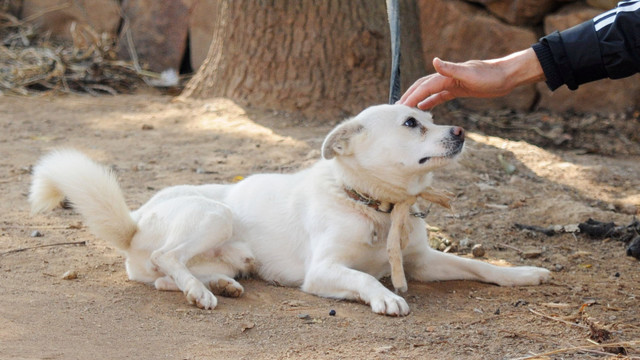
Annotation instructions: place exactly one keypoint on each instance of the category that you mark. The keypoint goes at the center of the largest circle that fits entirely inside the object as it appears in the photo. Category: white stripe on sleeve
(609, 17)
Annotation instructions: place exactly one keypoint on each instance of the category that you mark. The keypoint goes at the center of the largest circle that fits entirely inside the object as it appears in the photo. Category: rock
(519, 12)
(70, 275)
(457, 31)
(37, 233)
(201, 24)
(634, 248)
(158, 30)
(603, 4)
(247, 325)
(384, 349)
(603, 96)
(478, 250)
(103, 16)
(531, 253)
(569, 16)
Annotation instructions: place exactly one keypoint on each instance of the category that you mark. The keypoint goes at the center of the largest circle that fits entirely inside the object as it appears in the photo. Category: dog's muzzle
(454, 144)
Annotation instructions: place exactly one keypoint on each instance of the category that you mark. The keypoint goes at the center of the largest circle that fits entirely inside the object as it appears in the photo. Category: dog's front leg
(426, 264)
(330, 279)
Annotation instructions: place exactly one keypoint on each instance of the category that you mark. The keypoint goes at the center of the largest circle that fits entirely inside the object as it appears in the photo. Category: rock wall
(460, 30)
(166, 34)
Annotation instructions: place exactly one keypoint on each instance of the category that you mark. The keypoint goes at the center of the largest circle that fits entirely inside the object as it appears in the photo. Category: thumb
(446, 68)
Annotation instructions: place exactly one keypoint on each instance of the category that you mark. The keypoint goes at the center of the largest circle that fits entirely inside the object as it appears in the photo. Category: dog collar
(379, 206)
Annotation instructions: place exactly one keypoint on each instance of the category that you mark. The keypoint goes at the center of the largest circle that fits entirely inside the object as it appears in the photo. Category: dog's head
(395, 144)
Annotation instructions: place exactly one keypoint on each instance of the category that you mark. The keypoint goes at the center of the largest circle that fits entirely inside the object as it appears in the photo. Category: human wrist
(522, 68)
(545, 57)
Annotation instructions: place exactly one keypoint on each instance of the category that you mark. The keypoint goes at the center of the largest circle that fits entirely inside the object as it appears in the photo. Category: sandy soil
(153, 143)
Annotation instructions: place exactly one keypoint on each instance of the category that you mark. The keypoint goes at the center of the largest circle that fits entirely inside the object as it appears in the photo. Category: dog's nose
(457, 132)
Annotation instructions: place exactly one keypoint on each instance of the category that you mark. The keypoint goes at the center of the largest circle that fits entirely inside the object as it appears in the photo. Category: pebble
(37, 234)
(477, 250)
(384, 349)
(247, 325)
(70, 275)
(531, 253)
(332, 313)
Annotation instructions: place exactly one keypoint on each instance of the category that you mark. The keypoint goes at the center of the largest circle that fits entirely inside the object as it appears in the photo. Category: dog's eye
(411, 122)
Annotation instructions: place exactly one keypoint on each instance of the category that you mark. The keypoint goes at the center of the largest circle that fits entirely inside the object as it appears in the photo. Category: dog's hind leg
(218, 268)
(193, 226)
(166, 284)
(225, 286)
(219, 284)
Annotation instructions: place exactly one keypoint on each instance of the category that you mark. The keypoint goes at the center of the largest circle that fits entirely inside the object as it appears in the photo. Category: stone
(478, 250)
(57, 16)
(70, 275)
(569, 16)
(458, 31)
(603, 4)
(531, 253)
(158, 30)
(519, 12)
(603, 96)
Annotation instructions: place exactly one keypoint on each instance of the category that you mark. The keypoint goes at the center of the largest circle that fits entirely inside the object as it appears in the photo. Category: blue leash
(393, 10)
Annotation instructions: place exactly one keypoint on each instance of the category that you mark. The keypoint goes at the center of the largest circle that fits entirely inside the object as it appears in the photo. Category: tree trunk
(324, 59)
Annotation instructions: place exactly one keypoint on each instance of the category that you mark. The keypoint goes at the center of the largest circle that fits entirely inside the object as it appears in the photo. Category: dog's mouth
(448, 155)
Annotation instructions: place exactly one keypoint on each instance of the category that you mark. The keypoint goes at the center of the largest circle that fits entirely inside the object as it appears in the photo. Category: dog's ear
(338, 140)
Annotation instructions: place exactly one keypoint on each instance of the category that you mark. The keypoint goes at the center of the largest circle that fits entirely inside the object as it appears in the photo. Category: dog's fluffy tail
(92, 189)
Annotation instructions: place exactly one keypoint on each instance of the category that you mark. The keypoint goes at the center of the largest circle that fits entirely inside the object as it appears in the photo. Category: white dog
(323, 228)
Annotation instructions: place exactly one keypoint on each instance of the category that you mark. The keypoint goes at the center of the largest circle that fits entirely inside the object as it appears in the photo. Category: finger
(435, 100)
(433, 84)
(445, 68)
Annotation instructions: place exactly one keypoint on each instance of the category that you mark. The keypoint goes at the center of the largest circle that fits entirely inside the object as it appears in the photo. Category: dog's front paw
(198, 295)
(524, 276)
(389, 304)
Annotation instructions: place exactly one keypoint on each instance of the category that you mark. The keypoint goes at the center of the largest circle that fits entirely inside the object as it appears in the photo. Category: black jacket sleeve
(608, 46)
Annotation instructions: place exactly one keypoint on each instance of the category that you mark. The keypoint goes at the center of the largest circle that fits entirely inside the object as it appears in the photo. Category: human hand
(475, 78)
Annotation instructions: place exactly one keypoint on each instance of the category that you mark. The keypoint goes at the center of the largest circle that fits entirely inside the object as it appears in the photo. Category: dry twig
(89, 65)
(584, 348)
(558, 320)
(43, 246)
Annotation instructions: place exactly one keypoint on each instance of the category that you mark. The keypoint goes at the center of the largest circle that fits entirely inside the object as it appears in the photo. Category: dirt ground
(153, 142)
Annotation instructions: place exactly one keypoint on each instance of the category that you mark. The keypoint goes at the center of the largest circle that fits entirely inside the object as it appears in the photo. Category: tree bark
(324, 59)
